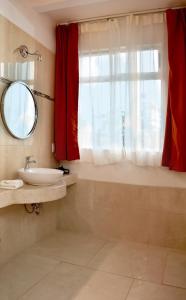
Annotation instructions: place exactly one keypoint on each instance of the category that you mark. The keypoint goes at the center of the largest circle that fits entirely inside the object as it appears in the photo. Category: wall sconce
(23, 51)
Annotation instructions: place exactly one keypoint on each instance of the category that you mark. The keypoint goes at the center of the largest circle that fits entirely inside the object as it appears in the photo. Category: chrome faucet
(28, 162)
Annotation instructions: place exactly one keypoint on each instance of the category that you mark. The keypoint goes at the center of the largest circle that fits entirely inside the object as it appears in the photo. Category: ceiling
(73, 10)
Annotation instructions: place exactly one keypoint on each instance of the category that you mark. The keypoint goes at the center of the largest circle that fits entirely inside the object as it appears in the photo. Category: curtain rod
(37, 93)
(136, 13)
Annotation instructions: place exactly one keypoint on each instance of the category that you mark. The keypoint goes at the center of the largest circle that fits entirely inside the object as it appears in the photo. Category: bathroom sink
(40, 176)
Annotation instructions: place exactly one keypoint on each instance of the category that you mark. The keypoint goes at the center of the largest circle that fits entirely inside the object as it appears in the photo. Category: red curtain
(174, 152)
(66, 93)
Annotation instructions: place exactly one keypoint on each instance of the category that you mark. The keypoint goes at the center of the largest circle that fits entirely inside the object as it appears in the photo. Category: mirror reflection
(19, 110)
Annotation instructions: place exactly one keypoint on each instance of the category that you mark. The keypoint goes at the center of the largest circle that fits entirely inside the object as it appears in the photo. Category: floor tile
(21, 273)
(131, 259)
(70, 282)
(142, 290)
(69, 247)
(175, 271)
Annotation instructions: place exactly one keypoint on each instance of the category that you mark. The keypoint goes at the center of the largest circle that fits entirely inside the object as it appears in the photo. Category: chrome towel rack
(35, 92)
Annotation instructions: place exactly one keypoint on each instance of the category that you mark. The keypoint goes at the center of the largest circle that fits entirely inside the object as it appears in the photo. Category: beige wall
(39, 26)
(41, 77)
(154, 215)
(17, 228)
(127, 172)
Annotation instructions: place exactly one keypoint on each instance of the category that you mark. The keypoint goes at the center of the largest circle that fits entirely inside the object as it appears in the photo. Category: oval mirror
(19, 110)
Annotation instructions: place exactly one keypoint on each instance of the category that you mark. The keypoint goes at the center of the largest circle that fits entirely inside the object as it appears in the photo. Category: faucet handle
(28, 157)
(29, 161)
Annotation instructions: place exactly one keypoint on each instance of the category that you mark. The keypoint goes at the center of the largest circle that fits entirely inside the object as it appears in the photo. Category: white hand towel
(11, 184)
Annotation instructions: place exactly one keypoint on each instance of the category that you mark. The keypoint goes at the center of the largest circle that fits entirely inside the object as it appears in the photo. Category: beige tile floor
(72, 266)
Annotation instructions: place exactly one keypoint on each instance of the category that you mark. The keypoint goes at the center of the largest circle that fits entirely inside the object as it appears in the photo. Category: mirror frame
(3, 115)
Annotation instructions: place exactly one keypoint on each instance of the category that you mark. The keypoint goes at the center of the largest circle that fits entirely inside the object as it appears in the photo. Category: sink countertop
(70, 179)
(36, 194)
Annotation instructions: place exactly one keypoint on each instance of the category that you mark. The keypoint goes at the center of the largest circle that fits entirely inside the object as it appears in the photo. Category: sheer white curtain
(123, 83)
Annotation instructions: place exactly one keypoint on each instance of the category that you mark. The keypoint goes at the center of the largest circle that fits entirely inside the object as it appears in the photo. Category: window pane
(124, 64)
(150, 114)
(94, 65)
(148, 61)
(96, 114)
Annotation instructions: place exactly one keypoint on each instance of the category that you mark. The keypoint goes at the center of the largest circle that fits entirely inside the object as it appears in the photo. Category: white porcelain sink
(40, 176)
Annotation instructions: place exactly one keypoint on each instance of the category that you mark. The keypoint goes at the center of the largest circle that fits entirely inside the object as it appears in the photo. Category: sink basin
(40, 176)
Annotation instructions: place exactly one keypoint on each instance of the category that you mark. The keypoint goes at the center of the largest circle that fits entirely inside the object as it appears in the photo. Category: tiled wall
(154, 215)
(17, 228)
(39, 75)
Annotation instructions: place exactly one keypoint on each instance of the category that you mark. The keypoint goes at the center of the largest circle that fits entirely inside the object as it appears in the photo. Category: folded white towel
(11, 184)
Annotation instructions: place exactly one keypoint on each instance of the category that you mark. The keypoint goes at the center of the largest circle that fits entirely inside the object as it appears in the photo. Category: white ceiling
(72, 10)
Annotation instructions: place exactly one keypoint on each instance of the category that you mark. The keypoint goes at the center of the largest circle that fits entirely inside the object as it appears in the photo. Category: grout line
(115, 274)
(126, 276)
(131, 286)
(101, 248)
(96, 270)
(165, 266)
(36, 283)
(174, 286)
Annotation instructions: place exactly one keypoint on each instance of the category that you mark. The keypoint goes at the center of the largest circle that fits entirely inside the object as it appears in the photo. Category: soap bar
(66, 171)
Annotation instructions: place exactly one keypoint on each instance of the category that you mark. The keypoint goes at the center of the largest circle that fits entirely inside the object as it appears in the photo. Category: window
(121, 103)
